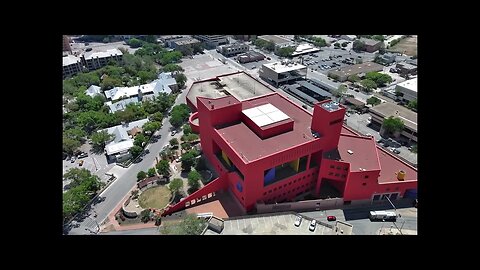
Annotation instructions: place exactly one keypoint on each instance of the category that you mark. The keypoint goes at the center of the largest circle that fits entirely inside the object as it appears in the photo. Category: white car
(298, 221)
(313, 225)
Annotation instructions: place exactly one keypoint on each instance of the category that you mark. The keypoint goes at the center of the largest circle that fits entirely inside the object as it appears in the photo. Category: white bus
(383, 215)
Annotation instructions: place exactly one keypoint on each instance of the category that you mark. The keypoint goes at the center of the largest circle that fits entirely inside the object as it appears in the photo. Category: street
(147, 231)
(358, 217)
(118, 189)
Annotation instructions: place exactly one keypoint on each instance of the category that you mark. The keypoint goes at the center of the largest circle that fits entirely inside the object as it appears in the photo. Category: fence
(319, 204)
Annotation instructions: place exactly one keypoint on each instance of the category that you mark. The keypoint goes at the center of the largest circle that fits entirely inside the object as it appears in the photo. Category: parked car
(72, 159)
(80, 163)
(174, 132)
(298, 221)
(312, 226)
(82, 155)
(331, 218)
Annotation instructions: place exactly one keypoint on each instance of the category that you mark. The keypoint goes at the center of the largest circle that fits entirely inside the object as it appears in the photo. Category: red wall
(321, 122)
(195, 128)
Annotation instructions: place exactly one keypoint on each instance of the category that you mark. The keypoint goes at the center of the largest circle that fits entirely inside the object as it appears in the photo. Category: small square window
(364, 184)
(366, 176)
(337, 174)
(332, 166)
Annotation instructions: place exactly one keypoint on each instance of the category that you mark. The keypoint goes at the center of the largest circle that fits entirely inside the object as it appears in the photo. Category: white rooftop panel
(252, 112)
(277, 116)
(267, 108)
(262, 120)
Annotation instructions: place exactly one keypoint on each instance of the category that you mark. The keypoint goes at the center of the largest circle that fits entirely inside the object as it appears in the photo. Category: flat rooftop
(275, 39)
(249, 146)
(388, 109)
(239, 85)
(70, 59)
(107, 53)
(305, 48)
(409, 84)
(391, 165)
(370, 42)
(278, 67)
(363, 152)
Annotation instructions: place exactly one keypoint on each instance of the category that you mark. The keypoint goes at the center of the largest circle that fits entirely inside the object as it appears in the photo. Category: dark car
(331, 218)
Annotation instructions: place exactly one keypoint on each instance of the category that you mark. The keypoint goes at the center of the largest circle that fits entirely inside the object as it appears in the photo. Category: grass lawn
(407, 45)
(156, 197)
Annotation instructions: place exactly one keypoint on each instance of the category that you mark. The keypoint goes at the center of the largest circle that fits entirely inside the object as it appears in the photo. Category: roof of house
(120, 105)
(122, 141)
(354, 101)
(391, 165)
(70, 59)
(113, 148)
(359, 151)
(93, 90)
(155, 87)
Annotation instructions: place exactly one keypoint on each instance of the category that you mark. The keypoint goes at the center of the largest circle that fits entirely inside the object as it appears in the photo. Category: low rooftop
(275, 39)
(70, 59)
(409, 84)
(370, 42)
(388, 109)
(107, 53)
(239, 85)
(278, 67)
(249, 146)
(358, 68)
(391, 165)
(359, 151)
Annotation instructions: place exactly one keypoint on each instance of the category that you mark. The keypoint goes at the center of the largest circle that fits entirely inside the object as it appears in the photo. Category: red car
(331, 218)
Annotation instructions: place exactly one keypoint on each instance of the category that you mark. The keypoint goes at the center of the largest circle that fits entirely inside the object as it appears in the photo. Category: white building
(95, 60)
(71, 65)
(281, 72)
(408, 88)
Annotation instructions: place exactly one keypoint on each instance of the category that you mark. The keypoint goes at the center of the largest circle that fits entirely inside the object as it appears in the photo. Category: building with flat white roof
(281, 72)
(96, 60)
(71, 65)
(304, 49)
(408, 89)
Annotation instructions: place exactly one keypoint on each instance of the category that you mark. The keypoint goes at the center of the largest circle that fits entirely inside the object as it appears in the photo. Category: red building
(267, 148)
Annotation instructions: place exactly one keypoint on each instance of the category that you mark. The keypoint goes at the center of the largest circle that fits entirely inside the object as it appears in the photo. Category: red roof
(363, 152)
(251, 147)
(391, 165)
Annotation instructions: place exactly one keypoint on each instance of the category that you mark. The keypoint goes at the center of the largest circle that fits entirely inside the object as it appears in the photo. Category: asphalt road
(118, 189)
(358, 217)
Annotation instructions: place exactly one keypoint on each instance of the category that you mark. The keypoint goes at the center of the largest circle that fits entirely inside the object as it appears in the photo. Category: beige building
(281, 72)
(343, 73)
(71, 65)
(387, 109)
(96, 60)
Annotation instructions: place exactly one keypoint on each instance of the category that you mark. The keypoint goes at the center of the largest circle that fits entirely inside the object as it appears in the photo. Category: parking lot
(96, 163)
(271, 225)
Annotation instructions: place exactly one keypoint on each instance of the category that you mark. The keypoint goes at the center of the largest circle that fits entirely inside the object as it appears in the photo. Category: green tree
(135, 43)
(340, 92)
(110, 82)
(379, 78)
(70, 145)
(413, 104)
(151, 172)
(193, 180)
(163, 168)
(139, 140)
(358, 45)
(156, 117)
(393, 124)
(353, 78)
(151, 127)
(141, 175)
(192, 137)
(100, 138)
(188, 160)
(369, 84)
(374, 101)
(191, 225)
(344, 44)
(179, 115)
(172, 68)
(336, 44)
(201, 164)
(145, 215)
(187, 129)
(174, 142)
(146, 76)
(181, 79)
(378, 37)
(176, 185)
(285, 51)
(186, 146)
(135, 150)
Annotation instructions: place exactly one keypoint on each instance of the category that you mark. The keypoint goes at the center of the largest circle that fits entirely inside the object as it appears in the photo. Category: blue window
(239, 186)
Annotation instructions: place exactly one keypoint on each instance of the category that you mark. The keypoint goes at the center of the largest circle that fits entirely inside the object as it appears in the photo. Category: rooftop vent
(350, 152)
